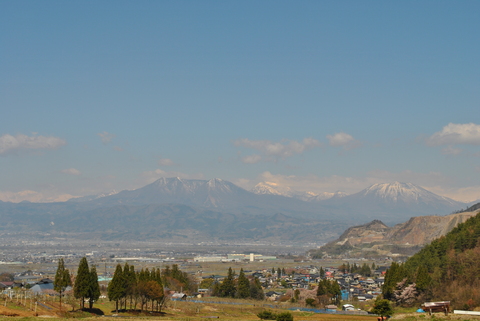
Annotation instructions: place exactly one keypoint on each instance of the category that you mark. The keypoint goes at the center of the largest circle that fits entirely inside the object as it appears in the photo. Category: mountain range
(217, 209)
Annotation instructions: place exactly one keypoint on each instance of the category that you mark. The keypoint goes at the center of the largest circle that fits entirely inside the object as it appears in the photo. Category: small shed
(331, 307)
(439, 306)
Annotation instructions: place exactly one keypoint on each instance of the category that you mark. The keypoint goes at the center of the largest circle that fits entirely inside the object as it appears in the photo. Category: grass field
(188, 311)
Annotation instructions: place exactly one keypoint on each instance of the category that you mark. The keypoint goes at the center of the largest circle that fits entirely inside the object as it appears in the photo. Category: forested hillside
(446, 269)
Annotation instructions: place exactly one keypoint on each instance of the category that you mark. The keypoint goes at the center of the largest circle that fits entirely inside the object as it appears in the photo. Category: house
(330, 308)
(272, 295)
(6, 285)
(348, 307)
(179, 296)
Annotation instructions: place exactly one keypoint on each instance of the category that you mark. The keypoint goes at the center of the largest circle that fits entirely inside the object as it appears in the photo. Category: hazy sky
(317, 95)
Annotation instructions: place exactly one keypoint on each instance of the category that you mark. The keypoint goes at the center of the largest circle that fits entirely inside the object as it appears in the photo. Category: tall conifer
(62, 279)
(82, 282)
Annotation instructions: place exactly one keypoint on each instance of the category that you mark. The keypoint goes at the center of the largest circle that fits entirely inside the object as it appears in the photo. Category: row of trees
(85, 286)
(241, 287)
(137, 287)
(365, 269)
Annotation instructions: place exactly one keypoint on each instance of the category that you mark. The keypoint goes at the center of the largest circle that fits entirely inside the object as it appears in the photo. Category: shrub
(310, 302)
(284, 316)
(267, 315)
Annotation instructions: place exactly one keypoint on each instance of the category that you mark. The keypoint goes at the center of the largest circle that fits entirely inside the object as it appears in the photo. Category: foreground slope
(444, 270)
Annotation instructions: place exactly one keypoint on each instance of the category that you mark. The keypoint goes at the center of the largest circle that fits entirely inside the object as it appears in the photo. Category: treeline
(329, 292)
(364, 269)
(85, 284)
(446, 269)
(138, 288)
(241, 287)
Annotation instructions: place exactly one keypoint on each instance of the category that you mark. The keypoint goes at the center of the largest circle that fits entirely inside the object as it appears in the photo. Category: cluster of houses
(353, 285)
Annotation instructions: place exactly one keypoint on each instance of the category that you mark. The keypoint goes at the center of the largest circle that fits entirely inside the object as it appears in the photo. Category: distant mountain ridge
(271, 188)
(388, 201)
(237, 209)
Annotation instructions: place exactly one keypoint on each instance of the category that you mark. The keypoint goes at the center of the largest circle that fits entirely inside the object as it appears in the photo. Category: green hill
(446, 269)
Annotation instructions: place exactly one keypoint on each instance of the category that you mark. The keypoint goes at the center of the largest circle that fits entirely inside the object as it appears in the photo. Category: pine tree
(62, 279)
(82, 282)
(256, 291)
(322, 272)
(423, 279)
(117, 287)
(227, 288)
(131, 284)
(94, 288)
(243, 286)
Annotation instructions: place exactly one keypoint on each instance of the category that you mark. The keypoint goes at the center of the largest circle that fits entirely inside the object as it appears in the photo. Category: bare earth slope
(422, 230)
(376, 238)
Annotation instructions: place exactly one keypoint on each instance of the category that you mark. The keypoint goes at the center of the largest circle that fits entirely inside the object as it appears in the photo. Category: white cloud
(309, 183)
(463, 194)
(344, 140)
(11, 144)
(432, 181)
(454, 134)
(32, 196)
(106, 137)
(274, 150)
(251, 159)
(71, 171)
(118, 148)
(165, 162)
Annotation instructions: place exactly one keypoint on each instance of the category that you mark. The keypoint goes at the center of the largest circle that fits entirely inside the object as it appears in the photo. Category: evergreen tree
(62, 279)
(117, 287)
(329, 291)
(423, 280)
(131, 283)
(395, 274)
(243, 286)
(94, 288)
(256, 291)
(82, 282)
(227, 288)
(322, 288)
(383, 308)
(322, 272)
(216, 290)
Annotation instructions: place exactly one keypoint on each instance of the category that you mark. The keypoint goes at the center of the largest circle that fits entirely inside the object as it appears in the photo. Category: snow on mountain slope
(404, 192)
(393, 202)
(270, 188)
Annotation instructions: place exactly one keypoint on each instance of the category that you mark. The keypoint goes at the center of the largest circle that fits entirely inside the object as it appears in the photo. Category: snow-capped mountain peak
(403, 192)
(271, 188)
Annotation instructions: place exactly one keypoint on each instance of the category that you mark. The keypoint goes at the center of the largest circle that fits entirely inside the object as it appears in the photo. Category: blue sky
(316, 95)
